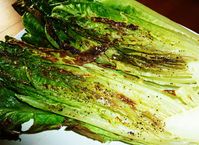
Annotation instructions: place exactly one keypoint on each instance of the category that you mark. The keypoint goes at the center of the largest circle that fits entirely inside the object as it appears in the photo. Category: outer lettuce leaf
(13, 113)
(130, 9)
(136, 9)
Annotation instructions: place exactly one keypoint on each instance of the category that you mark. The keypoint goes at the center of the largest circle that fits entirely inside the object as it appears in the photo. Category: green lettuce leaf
(14, 113)
(111, 101)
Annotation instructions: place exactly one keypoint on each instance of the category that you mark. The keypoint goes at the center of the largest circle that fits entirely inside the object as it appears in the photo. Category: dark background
(185, 12)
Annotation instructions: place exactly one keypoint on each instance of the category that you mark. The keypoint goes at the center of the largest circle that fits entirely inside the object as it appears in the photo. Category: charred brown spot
(66, 61)
(98, 87)
(118, 119)
(91, 54)
(19, 6)
(132, 27)
(49, 51)
(108, 66)
(50, 27)
(46, 86)
(51, 58)
(156, 122)
(144, 60)
(70, 48)
(172, 92)
(85, 131)
(88, 33)
(114, 24)
(63, 54)
(155, 60)
(38, 128)
(22, 6)
(64, 72)
(51, 30)
(45, 72)
(86, 75)
(190, 98)
(36, 13)
(127, 100)
(50, 54)
(94, 52)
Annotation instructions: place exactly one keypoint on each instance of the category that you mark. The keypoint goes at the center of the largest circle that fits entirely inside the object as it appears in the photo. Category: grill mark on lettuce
(72, 49)
(85, 131)
(51, 30)
(149, 60)
(127, 100)
(91, 34)
(94, 52)
(114, 24)
(91, 54)
(172, 92)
